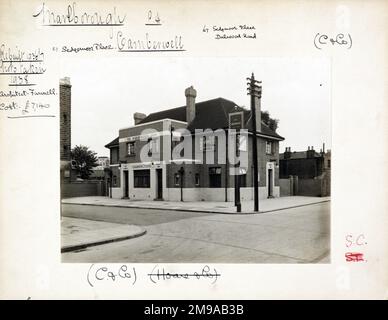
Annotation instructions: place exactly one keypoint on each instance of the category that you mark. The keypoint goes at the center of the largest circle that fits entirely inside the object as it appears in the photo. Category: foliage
(84, 160)
(270, 122)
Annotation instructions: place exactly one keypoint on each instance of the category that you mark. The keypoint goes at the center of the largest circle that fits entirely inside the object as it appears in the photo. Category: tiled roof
(211, 114)
(113, 143)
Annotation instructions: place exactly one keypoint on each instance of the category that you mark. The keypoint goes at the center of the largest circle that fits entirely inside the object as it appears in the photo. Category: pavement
(78, 233)
(293, 235)
(265, 205)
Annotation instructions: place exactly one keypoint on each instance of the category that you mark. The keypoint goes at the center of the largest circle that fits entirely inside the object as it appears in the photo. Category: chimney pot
(65, 82)
(190, 94)
(138, 116)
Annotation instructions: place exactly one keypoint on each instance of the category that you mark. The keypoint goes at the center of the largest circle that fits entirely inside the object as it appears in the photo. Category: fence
(293, 186)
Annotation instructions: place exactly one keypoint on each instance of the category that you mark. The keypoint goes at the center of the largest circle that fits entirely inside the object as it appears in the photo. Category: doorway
(270, 183)
(126, 184)
(159, 184)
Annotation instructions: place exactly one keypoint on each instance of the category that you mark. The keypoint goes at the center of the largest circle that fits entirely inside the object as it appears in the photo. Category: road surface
(298, 235)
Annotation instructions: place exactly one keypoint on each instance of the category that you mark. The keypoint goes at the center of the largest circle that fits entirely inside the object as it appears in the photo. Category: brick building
(309, 171)
(304, 164)
(195, 179)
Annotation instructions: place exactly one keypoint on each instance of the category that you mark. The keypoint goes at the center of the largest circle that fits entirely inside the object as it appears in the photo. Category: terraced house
(199, 175)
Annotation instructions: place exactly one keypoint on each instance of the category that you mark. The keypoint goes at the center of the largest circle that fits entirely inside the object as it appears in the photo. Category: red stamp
(354, 256)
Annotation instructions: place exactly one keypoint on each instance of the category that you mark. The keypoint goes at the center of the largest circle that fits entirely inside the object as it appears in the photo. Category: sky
(106, 92)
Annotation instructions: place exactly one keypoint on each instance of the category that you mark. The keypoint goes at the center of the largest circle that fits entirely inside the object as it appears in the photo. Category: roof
(174, 114)
(113, 143)
(299, 155)
(211, 114)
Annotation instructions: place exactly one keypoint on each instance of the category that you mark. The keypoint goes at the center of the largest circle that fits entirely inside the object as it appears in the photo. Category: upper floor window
(153, 145)
(268, 147)
(206, 143)
(241, 142)
(131, 148)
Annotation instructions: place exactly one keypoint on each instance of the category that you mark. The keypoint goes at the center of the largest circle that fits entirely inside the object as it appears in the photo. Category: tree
(270, 122)
(84, 160)
(266, 118)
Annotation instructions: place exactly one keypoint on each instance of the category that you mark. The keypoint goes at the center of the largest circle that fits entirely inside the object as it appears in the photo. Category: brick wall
(83, 189)
(65, 120)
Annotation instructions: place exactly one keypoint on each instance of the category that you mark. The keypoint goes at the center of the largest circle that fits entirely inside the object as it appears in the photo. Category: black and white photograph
(193, 150)
(158, 164)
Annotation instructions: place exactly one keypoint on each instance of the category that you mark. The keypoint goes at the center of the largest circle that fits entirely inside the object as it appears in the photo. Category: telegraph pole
(236, 122)
(254, 90)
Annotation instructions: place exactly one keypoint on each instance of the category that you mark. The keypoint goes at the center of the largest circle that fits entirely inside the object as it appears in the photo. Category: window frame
(212, 176)
(197, 183)
(137, 179)
(129, 144)
(268, 143)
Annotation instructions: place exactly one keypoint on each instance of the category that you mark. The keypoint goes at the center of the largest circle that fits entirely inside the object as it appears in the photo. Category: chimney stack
(65, 118)
(190, 94)
(310, 152)
(137, 117)
(287, 153)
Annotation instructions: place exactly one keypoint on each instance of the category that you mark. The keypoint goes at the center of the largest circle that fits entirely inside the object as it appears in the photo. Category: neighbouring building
(99, 172)
(65, 128)
(310, 170)
(196, 179)
(69, 184)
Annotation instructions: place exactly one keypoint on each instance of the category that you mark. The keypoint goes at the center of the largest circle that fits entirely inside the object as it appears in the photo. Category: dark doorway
(159, 184)
(270, 187)
(126, 184)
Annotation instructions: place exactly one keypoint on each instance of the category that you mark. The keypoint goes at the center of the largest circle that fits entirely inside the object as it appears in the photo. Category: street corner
(82, 233)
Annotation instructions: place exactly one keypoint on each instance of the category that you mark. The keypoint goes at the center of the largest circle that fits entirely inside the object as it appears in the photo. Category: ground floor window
(243, 180)
(141, 178)
(197, 180)
(215, 177)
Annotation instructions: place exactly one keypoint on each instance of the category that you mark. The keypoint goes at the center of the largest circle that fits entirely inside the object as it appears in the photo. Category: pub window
(328, 163)
(197, 180)
(115, 180)
(268, 147)
(64, 117)
(215, 177)
(177, 179)
(131, 148)
(141, 178)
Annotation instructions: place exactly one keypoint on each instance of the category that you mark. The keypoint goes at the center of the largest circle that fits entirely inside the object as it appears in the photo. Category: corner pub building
(193, 180)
